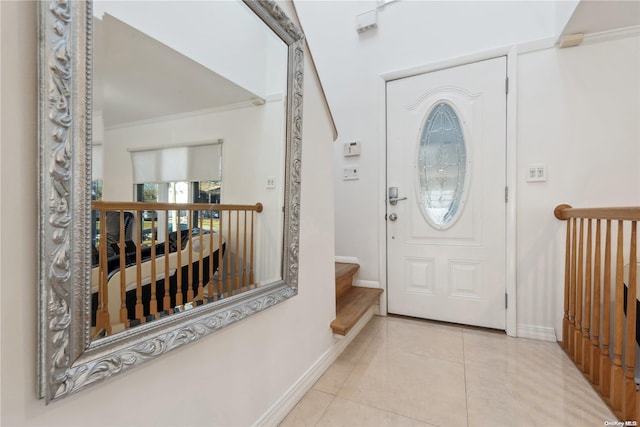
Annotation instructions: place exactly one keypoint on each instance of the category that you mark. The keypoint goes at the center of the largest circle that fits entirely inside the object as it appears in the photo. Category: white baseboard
(366, 283)
(534, 332)
(279, 410)
(347, 259)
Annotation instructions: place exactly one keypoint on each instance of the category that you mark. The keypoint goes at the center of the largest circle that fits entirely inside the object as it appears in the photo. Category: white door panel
(446, 154)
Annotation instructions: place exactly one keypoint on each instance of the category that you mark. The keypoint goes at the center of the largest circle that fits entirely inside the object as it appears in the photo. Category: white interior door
(446, 148)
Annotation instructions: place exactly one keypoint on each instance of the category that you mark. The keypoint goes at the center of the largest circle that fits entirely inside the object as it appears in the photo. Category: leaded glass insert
(442, 166)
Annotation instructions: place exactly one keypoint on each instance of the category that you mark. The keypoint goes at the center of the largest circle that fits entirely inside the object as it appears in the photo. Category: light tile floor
(405, 372)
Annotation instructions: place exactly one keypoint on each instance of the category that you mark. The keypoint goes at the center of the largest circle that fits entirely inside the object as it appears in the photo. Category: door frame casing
(511, 54)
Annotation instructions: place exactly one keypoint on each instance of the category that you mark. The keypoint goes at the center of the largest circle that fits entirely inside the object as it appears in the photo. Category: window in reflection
(205, 192)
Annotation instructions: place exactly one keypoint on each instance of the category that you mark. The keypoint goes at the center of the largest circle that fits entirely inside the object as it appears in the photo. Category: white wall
(577, 111)
(564, 11)
(207, 21)
(230, 378)
(409, 34)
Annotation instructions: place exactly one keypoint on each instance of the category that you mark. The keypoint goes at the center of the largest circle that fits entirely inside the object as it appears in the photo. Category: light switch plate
(351, 148)
(271, 183)
(350, 173)
(536, 172)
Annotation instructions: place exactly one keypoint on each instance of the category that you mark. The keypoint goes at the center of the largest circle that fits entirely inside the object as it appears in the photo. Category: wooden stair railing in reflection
(588, 324)
(235, 234)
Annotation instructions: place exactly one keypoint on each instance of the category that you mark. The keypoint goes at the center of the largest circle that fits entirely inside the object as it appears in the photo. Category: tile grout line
(464, 369)
(383, 324)
(530, 366)
(389, 412)
(325, 409)
(335, 396)
(357, 359)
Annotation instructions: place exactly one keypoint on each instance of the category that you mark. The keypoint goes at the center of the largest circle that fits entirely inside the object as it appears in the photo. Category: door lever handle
(394, 200)
(393, 196)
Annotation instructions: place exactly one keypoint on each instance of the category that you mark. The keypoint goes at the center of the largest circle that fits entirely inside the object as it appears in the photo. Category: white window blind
(183, 163)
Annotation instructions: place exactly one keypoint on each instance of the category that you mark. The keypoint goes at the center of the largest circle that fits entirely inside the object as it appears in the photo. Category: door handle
(393, 216)
(395, 201)
(393, 196)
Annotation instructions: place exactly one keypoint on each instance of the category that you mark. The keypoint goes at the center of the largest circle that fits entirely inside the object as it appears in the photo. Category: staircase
(352, 302)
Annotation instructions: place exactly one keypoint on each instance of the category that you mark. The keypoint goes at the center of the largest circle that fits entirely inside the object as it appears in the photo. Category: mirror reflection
(188, 158)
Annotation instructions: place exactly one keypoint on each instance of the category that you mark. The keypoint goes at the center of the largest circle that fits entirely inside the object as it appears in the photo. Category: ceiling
(138, 78)
(603, 15)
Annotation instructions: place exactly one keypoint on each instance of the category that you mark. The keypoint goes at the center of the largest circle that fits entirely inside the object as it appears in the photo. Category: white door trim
(511, 266)
(511, 174)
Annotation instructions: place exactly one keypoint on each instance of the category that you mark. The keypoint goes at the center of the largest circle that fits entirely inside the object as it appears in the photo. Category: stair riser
(343, 284)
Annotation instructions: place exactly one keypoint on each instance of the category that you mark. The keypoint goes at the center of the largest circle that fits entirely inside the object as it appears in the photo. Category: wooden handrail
(624, 213)
(144, 206)
(598, 328)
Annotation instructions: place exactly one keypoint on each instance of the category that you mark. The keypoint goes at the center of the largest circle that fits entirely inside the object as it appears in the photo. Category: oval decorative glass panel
(442, 166)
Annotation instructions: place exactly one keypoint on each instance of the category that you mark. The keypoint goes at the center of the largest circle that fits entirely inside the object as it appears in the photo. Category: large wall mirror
(170, 138)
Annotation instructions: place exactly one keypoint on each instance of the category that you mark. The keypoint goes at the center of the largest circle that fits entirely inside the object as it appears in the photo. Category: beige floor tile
(345, 413)
(487, 348)
(400, 371)
(360, 343)
(309, 410)
(420, 338)
(528, 413)
(535, 383)
(489, 396)
(564, 397)
(430, 390)
(334, 377)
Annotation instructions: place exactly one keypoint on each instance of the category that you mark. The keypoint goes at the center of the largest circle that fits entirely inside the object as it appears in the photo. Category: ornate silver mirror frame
(68, 359)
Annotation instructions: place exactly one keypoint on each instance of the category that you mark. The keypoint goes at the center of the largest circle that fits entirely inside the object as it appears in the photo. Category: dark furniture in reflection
(113, 268)
(626, 290)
